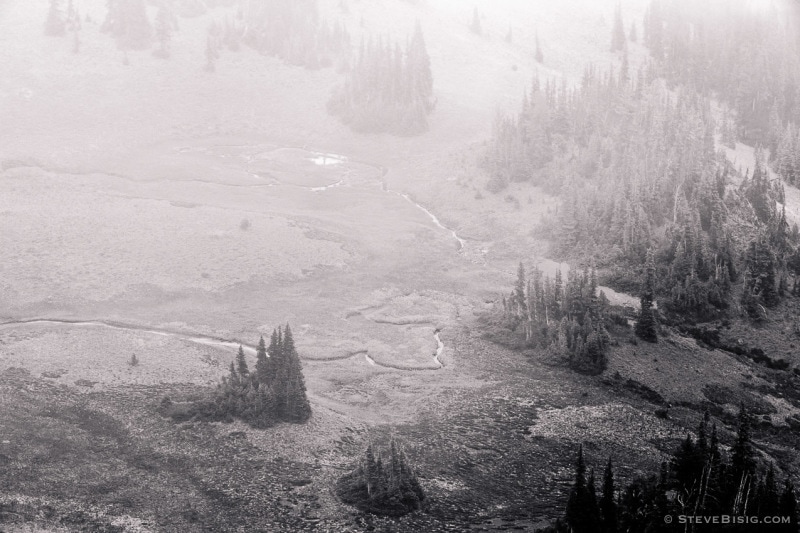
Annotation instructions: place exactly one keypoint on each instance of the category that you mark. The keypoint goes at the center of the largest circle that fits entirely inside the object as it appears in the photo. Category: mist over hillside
(399, 265)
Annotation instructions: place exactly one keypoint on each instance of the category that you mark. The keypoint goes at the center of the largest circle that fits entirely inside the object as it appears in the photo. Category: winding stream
(461, 242)
(328, 159)
(318, 158)
(205, 340)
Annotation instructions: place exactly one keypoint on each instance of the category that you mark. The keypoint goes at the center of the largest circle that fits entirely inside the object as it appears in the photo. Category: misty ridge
(399, 266)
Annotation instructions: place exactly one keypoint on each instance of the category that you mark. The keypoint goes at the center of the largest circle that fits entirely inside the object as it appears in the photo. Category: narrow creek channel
(206, 340)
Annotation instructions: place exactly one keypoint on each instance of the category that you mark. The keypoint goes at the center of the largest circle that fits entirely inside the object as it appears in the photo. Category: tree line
(289, 29)
(699, 479)
(388, 89)
(746, 57)
(636, 167)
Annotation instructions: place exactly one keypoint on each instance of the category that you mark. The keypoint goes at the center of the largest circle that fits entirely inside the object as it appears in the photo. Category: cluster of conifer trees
(273, 392)
(126, 20)
(291, 30)
(567, 317)
(388, 89)
(60, 19)
(698, 480)
(288, 29)
(636, 167)
(390, 488)
(738, 53)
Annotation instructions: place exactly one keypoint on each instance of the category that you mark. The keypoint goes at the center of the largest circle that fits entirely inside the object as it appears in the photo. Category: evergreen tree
(419, 66)
(538, 55)
(687, 467)
(296, 406)
(618, 33)
(760, 286)
(274, 392)
(163, 31)
(73, 24)
(768, 497)
(127, 21)
(275, 360)
(55, 24)
(475, 25)
(262, 362)
(608, 504)
(370, 471)
(742, 471)
(788, 507)
(582, 515)
(212, 49)
(241, 363)
(646, 323)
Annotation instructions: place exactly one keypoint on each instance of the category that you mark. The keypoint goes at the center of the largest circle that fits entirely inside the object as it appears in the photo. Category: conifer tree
(127, 21)
(419, 65)
(618, 33)
(163, 31)
(296, 403)
(538, 55)
(520, 301)
(262, 362)
(768, 503)
(55, 24)
(212, 51)
(743, 464)
(475, 25)
(646, 323)
(73, 24)
(788, 507)
(608, 504)
(241, 363)
(582, 515)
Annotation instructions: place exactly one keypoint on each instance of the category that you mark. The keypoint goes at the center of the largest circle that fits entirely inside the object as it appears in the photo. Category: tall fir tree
(618, 32)
(646, 322)
(475, 25)
(262, 362)
(743, 462)
(582, 514)
(608, 501)
(241, 363)
(55, 24)
(788, 507)
(127, 21)
(164, 27)
(296, 406)
(538, 54)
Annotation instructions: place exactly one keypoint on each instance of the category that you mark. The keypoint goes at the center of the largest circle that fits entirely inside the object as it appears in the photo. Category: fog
(398, 265)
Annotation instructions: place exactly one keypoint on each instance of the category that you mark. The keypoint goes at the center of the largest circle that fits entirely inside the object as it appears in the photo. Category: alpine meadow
(400, 266)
